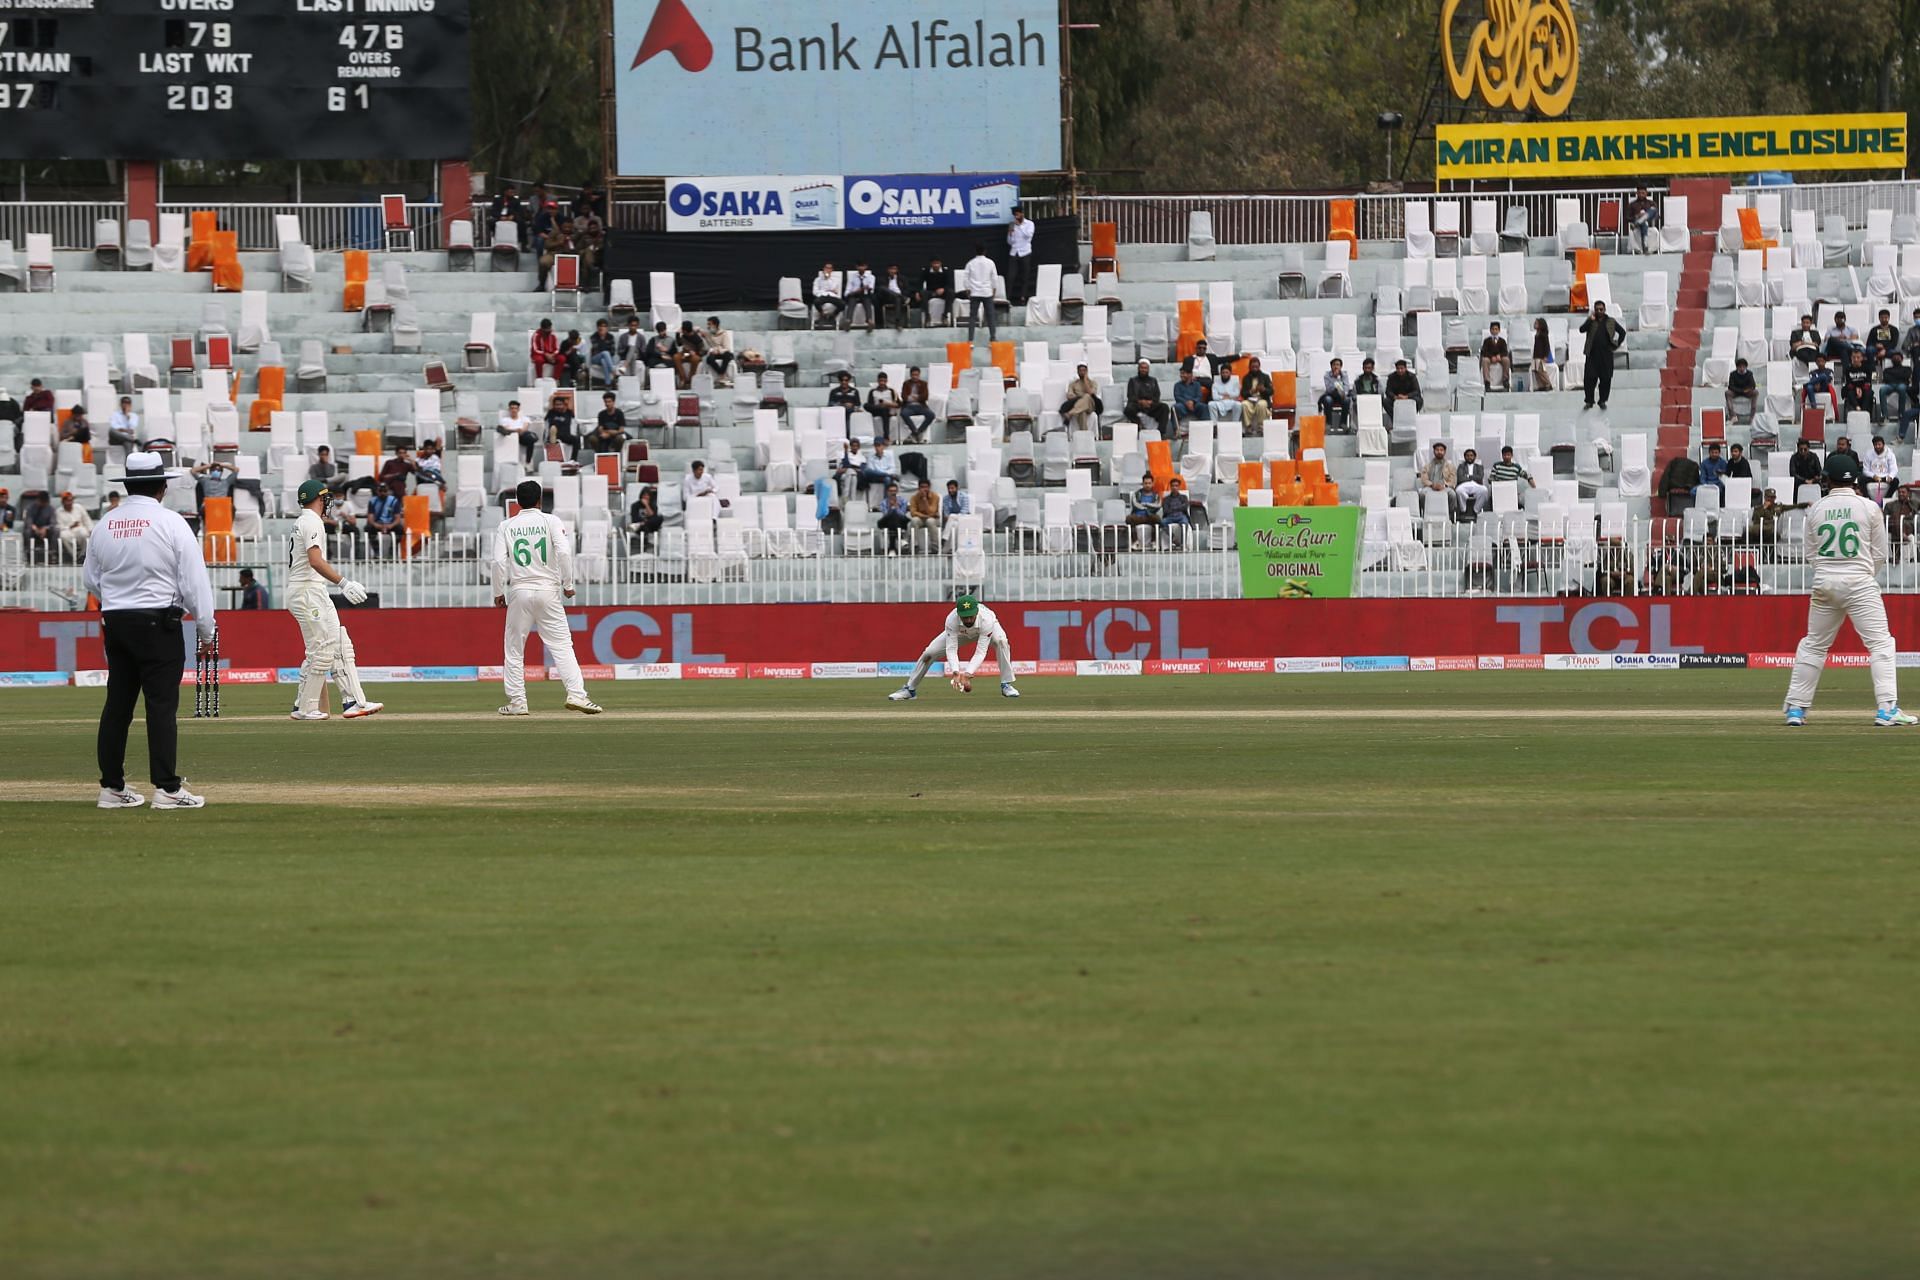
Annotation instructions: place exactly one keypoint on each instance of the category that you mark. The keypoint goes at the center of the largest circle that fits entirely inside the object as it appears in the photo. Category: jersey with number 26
(1846, 538)
(532, 549)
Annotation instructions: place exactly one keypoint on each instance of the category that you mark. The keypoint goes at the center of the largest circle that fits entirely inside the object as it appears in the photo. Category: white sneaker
(361, 710)
(181, 799)
(308, 715)
(124, 798)
(514, 709)
(902, 695)
(1008, 691)
(585, 706)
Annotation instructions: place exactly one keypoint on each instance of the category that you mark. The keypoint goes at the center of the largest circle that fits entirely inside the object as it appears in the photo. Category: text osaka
(902, 46)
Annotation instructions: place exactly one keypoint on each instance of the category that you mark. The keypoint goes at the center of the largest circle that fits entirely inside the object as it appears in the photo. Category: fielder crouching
(969, 623)
(329, 648)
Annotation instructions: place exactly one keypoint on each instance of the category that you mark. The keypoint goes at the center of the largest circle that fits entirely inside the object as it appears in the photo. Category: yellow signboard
(1523, 56)
(1627, 148)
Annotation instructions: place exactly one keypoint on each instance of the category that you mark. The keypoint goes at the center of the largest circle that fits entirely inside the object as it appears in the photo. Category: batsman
(329, 648)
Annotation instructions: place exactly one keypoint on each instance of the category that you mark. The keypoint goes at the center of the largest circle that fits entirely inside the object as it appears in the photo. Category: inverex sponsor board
(837, 86)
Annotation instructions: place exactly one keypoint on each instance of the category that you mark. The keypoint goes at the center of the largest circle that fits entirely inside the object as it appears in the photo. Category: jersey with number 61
(1846, 538)
(532, 549)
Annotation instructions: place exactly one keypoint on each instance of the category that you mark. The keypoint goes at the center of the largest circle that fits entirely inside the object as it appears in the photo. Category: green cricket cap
(1840, 470)
(311, 490)
(969, 605)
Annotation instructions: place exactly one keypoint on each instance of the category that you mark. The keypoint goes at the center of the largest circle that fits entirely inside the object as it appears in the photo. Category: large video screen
(234, 79)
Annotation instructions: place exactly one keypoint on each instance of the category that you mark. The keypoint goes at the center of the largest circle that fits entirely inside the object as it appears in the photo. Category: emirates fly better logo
(675, 30)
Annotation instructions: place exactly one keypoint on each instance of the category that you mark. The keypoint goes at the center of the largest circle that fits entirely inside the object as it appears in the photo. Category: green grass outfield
(1485, 975)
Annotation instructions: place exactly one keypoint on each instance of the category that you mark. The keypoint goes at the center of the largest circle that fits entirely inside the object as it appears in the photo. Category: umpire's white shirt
(143, 556)
(532, 550)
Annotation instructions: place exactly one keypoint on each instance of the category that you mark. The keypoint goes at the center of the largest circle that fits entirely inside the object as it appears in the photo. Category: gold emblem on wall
(1524, 55)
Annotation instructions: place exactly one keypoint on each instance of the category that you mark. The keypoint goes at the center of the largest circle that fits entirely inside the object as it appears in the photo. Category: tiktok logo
(675, 30)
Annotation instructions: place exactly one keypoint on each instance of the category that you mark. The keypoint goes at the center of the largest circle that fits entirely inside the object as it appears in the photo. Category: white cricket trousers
(531, 609)
(329, 648)
(937, 652)
(1858, 601)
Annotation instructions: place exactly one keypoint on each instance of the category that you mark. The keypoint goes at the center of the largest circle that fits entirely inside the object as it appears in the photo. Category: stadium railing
(323, 227)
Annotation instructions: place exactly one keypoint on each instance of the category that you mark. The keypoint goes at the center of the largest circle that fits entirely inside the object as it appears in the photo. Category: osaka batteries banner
(1624, 148)
(1297, 553)
(837, 86)
(830, 203)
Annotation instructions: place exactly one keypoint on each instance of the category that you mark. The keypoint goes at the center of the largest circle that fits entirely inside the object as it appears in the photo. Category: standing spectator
(124, 428)
(688, 350)
(1819, 386)
(1256, 396)
(956, 503)
(1713, 471)
(1143, 400)
(981, 277)
(843, 394)
(1470, 485)
(1804, 343)
(883, 402)
(1741, 386)
(1604, 337)
(1495, 357)
(253, 596)
(1143, 508)
(1223, 398)
(893, 294)
(1439, 476)
(590, 202)
(1643, 216)
(609, 434)
(545, 352)
(894, 516)
(384, 517)
(1081, 409)
(1175, 511)
(915, 413)
(719, 352)
(74, 526)
(632, 347)
(601, 353)
(644, 518)
(1189, 399)
(826, 296)
(924, 508)
(858, 295)
(1019, 258)
(1336, 393)
(1542, 367)
(1897, 386)
(935, 294)
(42, 527)
(561, 429)
(515, 423)
(39, 399)
(1401, 385)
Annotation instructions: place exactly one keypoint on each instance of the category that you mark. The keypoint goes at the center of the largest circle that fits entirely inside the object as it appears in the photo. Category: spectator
(1604, 337)
(883, 402)
(924, 508)
(1081, 409)
(1897, 386)
(124, 427)
(74, 526)
(1189, 399)
(1883, 339)
(981, 277)
(1470, 485)
(1713, 471)
(9, 514)
(658, 353)
(1368, 383)
(343, 529)
(1911, 342)
(590, 203)
(1019, 258)
(1642, 217)
(643, 518)
(1741, 387)
(573, 360)
(1439, 476)
(1856, 387)
(1175, 511)
(1902, 517)
(1223, 398)
(1508, 469)
(555, 243)
(1143, 509)
(561, 428)
(76, 429)
(609, 434)
(545, 352)
(826, 296)
(601, 353)
(893, 294)
(916, 415)
(384, 517)
(11, 412)
(1804, 465)
(689, 348)
(1336, 392)
(881, 468)
(956, 503)
(39, 399)
(506, 207)
(212, 480)
(1819, 386)
(1843, 448)
(1882, 471)
(429, 470)
(1200, 364)
(42, 525)
(719, 352)
(253, 596)
(1542, 367)
(1804, 342)
(1256, 396)
(893, 516)
(514, 423)
(1401, 385)
(1766, 516)
(859, 295)
(1143, 399)
(395, 472)
(590, 242)
(849, 466)
(1495, 357)
(696, 484)
(1842, 338)
(327, 471)
(1738, 468)
(632, 347)
(542, 209)
(935, 294)
(843, 394)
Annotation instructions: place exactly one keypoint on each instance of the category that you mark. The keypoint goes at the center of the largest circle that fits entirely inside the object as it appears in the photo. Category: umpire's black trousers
(145, 654)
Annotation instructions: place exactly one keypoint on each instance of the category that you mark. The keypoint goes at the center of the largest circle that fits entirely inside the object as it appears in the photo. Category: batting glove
(353, 591)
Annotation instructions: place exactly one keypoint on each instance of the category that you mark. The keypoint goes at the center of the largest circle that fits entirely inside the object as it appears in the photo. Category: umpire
(145, 566)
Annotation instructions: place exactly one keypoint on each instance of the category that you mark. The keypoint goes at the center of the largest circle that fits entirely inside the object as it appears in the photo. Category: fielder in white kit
(329, 648)
(532, 569)
(970, 622)
(1847, 546)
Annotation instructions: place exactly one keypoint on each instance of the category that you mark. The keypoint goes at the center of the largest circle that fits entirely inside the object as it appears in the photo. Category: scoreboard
(234, 79)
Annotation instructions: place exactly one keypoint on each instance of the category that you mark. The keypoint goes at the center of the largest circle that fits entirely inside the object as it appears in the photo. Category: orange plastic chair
(1160, 463)
(1193, 325)
(960, 356)
(1252, 476)
(1340, 224)
(1313, 471)
(1282, 471)
(228, 275)
(354, 298)
(200, 247)
(1751, 236)
(1106, 247)
(1290, 494)
(416, 517)
(1286, 393)
(268, 398)
(1585, 263)
(1313, 432)
(366, 442)
(1001, 356)
(216, 530)
(1328, 494)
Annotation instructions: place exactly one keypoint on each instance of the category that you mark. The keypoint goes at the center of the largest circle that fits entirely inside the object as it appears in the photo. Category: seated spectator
(1143, 400)
(1897, 387)
(573, 360)
(124, 428)
(253, 596)
(343, 528)
(76, 429)
(632, 347)
(1842, 338)
(395, 471)
(1643, 216)
(696, 484)
(858, 295)
(545, 352)
(843, 394)
(554, 243)
(590, 242)
(689, 348)
(1081, 409)
(1143, 508)
(893, 295)
(1542, 367)
(1743, 391)
(590, 203)
(916, 415)
(1439, 476)
(1508, 469)
(385, 519)
(1910, 343)
(1223, 398)
(1175, 511)
(609, 434)
(1368, 383)
(506, 207)
(881, 468)
(561, 429)
(935, 294)
(1804, 465)
(42, 526)
(212, 479)
(1470, 485)
(658, 353)
(327, 471)
(39, 399)
(1713, 471)
(1766, 516)
(1199, 364)
(12, 413)
(1883, 339)
(1256, 396)
(719, 352)
(9, 514)
(514, 423)
(1819, 387)
(924, 508)
(1738, 468)
(1189, 399)
(644, 519)
(602, 354)
(1843, 448)
(848, 466)
(74, 527)
(1401, 385)
(1902, 516)
(826, 296)
(894, 516)
(1881, 469)
(883, 402)
(1495, 358)
(429, 471)
(1336, 393)
(956, 503)
(1804, 342)
(1856, 386)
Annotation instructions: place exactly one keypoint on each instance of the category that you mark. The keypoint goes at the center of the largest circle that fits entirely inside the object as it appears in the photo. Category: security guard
(145, 566)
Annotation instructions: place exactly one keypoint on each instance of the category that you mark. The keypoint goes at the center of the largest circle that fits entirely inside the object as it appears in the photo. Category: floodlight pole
(1067, 27)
